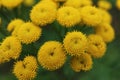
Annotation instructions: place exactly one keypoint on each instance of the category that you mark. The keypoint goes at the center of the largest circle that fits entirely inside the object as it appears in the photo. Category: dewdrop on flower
(106, 31)
(23, 70)
(91, 16)
(104, 4)
(96, 46)
(43, 14)
(51, 55)
(82, 62)
(78, 3)
(75, 43)
(29, 33)
(11, 46)
(68, 16)
(11, 3)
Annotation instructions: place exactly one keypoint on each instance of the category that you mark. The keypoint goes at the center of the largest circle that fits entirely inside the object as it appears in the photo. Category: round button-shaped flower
(78, 3)
(51, 55)
(68, 16)
(96, 46)
(11, 3)
(12, 47)
(75, 43)
(82, 62)
(14, 24)
(91, 16)
(106, 32)
(26, 70)
(43, 14)
(29, 33)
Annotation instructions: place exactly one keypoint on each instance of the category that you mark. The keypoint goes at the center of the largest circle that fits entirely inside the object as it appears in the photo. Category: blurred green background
(106, 68)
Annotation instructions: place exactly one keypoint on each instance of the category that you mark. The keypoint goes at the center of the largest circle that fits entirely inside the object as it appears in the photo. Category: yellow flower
(51, 55)
(29, 33)
(75, 43)
(13, 24)
(12, 47)
(104, 4)
(107, 17)
(43, 14)
(28, 2)
(82, 62)
(68, 16)
(4, 57)
(30, 63)
(106, 32)
(51, 3)
(118, 4)
(78, 3)
(97, 46)
(11, 3)
(91, 15)
(23, 70)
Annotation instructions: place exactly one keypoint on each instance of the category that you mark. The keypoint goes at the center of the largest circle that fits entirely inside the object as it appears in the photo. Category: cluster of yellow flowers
(10, 4)
(52, 54)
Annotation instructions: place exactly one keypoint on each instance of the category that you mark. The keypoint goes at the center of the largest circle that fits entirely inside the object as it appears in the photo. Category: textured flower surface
(82, 62)
(29, 33)
(75, 43)
(68, 16)
(106, 32)
(12, 47)
(43, 14)
(96, 46)
(26, 70)
(91, 15)
(51, 55)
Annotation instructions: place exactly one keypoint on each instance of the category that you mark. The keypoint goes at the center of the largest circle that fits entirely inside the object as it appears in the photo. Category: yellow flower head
(43, 13)
(82, 62)
(30, 63)
(4, 57)
(28, 2)
(68, 16)
(78, 3)
(97, 46)
(12, 47)
(104, 4)
(107, 17)
(14, 24)
(11, 3)
(75, 43)
(118, 4)
(106, 32)
(51, 2)
(23, 70)
(51, 55)
(91, 16)
(29, 33)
